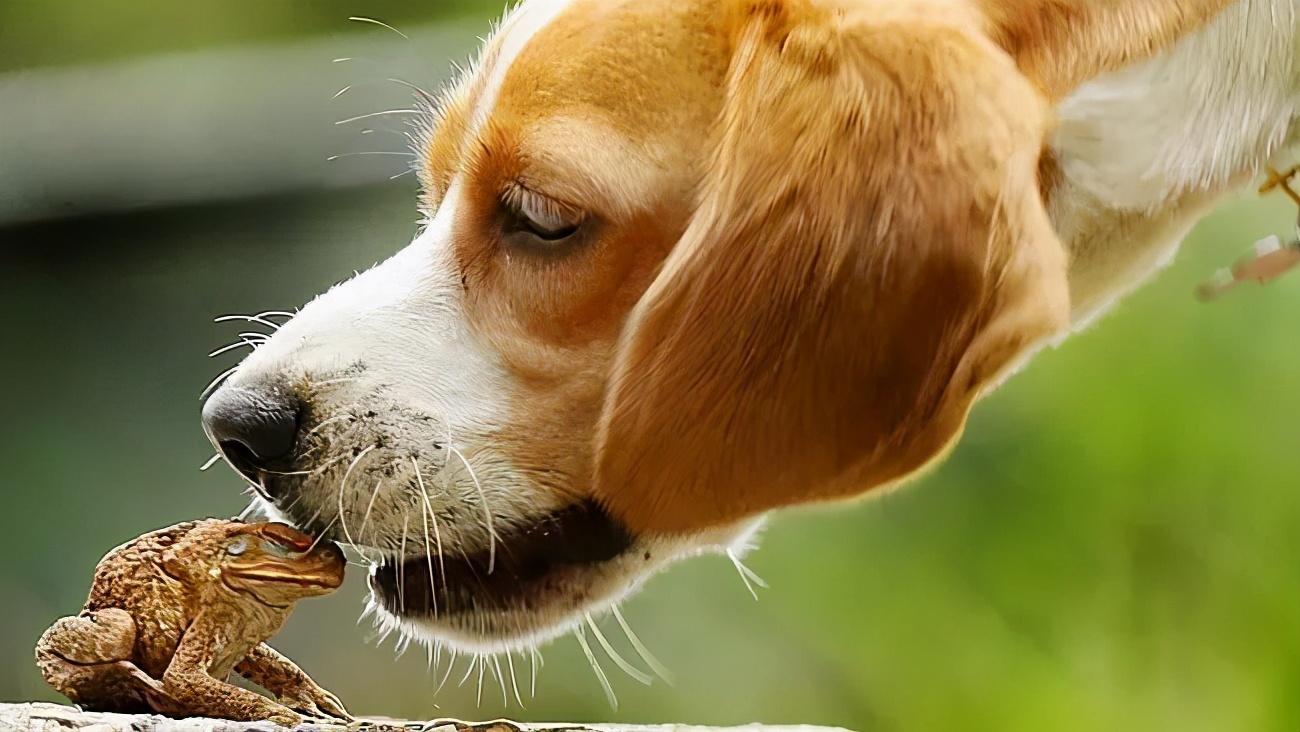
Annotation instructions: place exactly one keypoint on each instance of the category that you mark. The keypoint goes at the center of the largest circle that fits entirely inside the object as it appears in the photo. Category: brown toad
(174, 612)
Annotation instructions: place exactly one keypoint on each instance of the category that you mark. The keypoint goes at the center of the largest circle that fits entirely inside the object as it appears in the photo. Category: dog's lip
(530, 563)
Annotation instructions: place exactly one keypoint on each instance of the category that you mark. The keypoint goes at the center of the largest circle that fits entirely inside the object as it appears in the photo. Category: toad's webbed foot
(274, 672)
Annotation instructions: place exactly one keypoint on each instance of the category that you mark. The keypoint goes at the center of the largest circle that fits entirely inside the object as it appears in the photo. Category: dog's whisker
(747, 575)
(361, 558)
(533, 656)
(425, 93)
(482, 664)
(332, 158)
(261, 485)
(377, 114)
(428, 550)
(482, 496)
(320, 425)
(322, 467)
(370, 505)
(660, 670)
(401, 564)
(210, 461)
(276, 314)
(343, 489)
(371, 608)
(260, 318)
(293, 504)
(496, 671)
(514, 680)
(581, 634)
(451, 664)
(614, 655)
(383, 634)
(233, 347)
(380, 23)
(437, 534)
(314, 471)
(399, 648)
(473, 659)
(437, 542)
(217, 382)
(316, 514)
(323, 531)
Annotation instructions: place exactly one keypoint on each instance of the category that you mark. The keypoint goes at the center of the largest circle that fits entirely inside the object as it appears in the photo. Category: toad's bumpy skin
(172, 614)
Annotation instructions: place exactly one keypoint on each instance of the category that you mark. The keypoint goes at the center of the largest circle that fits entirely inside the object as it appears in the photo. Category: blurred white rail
(215, 124)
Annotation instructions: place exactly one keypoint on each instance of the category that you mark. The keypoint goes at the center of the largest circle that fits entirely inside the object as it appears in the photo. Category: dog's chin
(535, 582)
(541, 581)
(520, 591)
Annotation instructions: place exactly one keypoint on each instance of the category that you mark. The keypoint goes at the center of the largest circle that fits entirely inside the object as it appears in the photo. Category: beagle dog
(686, 262)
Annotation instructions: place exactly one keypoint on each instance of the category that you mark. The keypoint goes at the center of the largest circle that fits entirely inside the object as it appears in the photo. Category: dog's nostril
(240, 458)
(253, 428)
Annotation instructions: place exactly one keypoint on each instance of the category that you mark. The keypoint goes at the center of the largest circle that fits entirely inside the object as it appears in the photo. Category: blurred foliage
(1115, 544)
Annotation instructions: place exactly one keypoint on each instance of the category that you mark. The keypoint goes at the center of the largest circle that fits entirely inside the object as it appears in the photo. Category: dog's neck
(1191, 119)
(1140, 154)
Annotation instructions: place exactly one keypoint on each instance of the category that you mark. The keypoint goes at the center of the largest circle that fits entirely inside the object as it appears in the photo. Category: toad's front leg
(269, 669)
(190, 684)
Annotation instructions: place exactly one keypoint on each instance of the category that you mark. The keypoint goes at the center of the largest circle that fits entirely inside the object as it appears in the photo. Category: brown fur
(828, 236)
(870, 250)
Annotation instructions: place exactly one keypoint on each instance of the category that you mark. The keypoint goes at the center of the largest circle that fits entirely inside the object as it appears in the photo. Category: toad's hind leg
(87, 658)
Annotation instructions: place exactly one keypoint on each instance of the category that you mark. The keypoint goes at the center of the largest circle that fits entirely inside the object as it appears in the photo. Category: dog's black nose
(254, 428)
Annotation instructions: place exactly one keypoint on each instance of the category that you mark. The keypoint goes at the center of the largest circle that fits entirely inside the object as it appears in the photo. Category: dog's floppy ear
(869, 252)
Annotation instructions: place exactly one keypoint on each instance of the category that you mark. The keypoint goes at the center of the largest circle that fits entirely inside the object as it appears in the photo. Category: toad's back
(134, 577)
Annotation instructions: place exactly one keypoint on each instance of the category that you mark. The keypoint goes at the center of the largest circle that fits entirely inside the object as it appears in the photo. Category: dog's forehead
(635, 66)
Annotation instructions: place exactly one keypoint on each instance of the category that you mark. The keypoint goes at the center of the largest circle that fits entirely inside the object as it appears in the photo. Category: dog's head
(682, 263)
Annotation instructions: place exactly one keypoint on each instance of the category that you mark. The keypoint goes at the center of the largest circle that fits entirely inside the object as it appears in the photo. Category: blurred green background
(1115, 545)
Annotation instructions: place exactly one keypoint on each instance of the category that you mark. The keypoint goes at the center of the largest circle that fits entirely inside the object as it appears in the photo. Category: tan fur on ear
(870, 251)
(1062, 43)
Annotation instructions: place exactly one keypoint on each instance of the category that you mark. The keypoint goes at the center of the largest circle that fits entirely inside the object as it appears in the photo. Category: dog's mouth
(546, 565)
(536, 579)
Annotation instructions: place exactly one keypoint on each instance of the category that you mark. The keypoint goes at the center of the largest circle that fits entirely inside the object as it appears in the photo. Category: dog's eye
(539, 216)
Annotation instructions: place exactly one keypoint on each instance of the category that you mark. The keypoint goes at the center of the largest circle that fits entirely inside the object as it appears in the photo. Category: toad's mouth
(544, 565)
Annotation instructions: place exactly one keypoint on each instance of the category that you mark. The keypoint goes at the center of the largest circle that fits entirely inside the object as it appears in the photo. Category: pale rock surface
(42, 717)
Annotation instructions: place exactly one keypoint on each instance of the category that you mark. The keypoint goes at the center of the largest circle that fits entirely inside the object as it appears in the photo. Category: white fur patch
(403, 321)
(1220, 102)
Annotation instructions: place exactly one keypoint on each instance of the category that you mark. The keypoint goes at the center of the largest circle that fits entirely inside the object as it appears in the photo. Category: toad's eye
(534, 215)
(237, 547)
